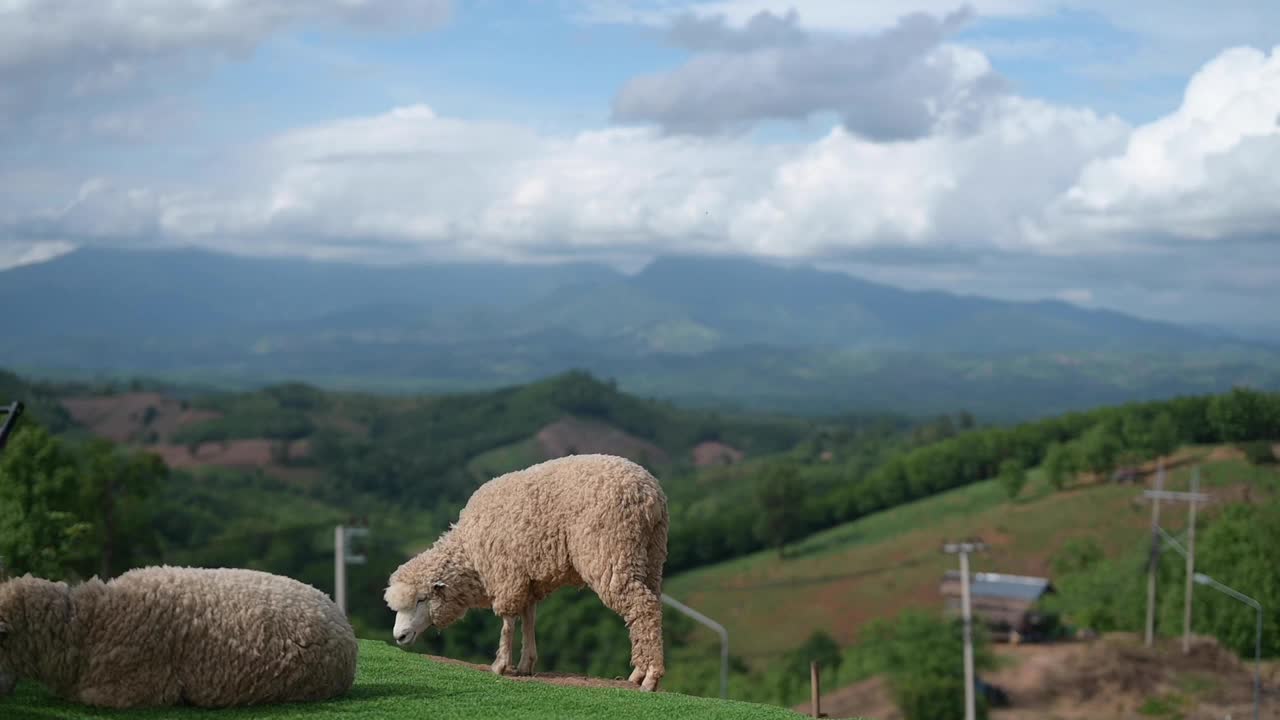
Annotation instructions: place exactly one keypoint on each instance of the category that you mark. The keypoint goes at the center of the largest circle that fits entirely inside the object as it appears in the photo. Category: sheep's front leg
(502, 665)
(528, 645)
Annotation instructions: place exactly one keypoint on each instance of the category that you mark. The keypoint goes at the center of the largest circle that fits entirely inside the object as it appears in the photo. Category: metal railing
(10, 413)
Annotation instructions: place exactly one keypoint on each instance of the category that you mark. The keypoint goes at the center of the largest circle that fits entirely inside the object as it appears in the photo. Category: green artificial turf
(391, 683)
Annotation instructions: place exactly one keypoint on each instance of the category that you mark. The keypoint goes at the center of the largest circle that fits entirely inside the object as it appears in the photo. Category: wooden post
(815, 690)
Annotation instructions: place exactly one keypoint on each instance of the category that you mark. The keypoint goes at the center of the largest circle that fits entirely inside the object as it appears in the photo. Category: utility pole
(1193, 497)
(964, 549)
(1191, 561)
(1153, 561)
(342, 556)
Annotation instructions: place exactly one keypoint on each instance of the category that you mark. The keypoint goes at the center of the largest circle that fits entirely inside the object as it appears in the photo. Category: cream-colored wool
(593, 520)
(163, 636)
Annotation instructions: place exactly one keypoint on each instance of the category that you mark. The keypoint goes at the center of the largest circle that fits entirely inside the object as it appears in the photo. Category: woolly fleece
(584, 520)
(161, 636)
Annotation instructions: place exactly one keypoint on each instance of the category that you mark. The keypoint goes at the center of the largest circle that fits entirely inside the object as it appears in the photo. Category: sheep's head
(26, 604)
(426, 591)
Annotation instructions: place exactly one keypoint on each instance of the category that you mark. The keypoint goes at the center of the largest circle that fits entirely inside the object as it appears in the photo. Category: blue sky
(1110, 154)
(542, 65)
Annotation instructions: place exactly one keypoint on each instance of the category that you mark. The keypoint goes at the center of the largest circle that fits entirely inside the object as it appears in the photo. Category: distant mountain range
(726, 331)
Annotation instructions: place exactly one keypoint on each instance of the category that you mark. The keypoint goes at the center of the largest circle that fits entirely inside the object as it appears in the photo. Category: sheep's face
(418, 608)
(412, 609)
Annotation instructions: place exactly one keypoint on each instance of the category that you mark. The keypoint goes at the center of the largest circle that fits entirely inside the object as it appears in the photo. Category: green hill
(1090, 538)
(392, 684)
(839, 579)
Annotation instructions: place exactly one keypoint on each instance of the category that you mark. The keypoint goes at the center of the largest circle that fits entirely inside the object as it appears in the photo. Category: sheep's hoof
(637, 676)
(525, 668)
(500, 667)
(651, 679)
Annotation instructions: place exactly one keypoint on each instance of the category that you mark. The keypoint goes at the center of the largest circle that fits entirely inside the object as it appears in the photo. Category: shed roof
(1000, 585)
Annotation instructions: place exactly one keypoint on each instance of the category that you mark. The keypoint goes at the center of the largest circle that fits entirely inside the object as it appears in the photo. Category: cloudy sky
(1123, 155)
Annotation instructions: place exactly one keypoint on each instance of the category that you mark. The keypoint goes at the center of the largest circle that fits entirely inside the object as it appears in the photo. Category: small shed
(1006, 604)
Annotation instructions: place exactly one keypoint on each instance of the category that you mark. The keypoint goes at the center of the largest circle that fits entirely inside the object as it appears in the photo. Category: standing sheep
(163, 636)
(594, 520)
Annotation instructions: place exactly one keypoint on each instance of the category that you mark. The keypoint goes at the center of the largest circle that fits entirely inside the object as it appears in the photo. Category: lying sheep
(165, 636)
(594, 520)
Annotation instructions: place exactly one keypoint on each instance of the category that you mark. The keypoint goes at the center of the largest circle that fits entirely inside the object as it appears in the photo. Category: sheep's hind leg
(641, 609)
(528, 645)
(502, 664)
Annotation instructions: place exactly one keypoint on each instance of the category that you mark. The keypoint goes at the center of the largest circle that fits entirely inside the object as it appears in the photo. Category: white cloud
(1077, 296)
(31, 253)
(432, 185)
(900, 83)
(1127, 52)
(1189, 23)
(834, 15)
(66, 62)
(48, 32)
(1205, 172)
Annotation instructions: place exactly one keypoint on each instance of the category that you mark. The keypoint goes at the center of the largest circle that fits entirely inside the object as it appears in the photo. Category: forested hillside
(260, 479)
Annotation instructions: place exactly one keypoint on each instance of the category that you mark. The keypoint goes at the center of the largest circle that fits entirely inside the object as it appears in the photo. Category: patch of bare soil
(868, 699)
(552, 678)
(1118, 677)
(1225, 452)
(1110, 678)
(576, 436)
(256, 452)
(716, 453)
(143, 417)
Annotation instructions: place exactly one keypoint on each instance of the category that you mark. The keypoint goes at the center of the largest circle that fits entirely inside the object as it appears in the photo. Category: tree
(820, 648)
(1135, 437)
(40, 531)
(115, 492)
(922, 656)
(780, 496)
(1012, 477)
(1077, 555)
(1163, 434)
(1099, 449)
(1258, 452)
(1059, 463)
(1243, 415)
(1238, 550)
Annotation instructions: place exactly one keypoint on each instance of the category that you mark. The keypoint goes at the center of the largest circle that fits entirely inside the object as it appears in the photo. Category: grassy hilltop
(392, 684)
